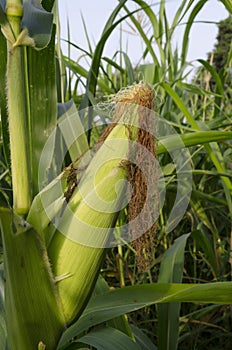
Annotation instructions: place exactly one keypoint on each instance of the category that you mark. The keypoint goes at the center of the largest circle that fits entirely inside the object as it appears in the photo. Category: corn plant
(57, 220)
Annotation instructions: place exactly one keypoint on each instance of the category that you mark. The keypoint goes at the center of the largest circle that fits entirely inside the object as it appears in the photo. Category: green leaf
(32, 301)
(41, 103)
(108, 338)
(140, 29)
(142, 339)
(120, 323)
(171, 271)
(95, 64)
(193, 89)
(118, 302)
(3, 18)
(80, 71)
(3, 330)
(196, 195)
(190, 21)
(212, 149)
(72, 130)
(204, 243)
(228, 5)
(172, 142)
(214, 74)
(148, 72)
(200, 211)
(180, 104)
(129, 69)
(96, 60)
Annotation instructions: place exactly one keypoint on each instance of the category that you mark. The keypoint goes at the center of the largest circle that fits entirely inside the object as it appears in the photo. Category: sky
(96, 13)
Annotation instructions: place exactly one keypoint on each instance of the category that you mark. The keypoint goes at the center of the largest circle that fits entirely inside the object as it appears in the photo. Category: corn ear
(77, 248)
(85, 226)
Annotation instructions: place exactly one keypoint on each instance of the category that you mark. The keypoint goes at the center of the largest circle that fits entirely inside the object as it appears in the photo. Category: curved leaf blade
(108, 338)
(142, 339)
(41, 103)
(26, 269)
(190, 21)
(171, 271)
(3, 330)
(172, 142)
(118, 302)
(228, 5)
(214, 74)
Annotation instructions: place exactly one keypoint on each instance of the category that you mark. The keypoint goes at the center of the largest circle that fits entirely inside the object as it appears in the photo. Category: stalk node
(14, 10)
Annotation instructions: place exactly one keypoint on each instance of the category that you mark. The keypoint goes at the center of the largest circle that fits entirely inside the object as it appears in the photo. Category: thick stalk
(17, 113)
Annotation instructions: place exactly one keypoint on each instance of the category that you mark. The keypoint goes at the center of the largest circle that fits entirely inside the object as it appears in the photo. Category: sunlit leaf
(42, 103)
(118, 302)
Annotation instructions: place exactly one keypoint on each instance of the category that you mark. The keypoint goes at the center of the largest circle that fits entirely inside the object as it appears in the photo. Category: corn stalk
(17, 108)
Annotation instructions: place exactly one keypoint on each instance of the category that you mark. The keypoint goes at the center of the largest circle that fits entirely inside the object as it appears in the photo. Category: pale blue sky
(96, 13)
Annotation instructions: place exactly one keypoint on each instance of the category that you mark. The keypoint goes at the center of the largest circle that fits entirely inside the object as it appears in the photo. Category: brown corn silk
(143, 96)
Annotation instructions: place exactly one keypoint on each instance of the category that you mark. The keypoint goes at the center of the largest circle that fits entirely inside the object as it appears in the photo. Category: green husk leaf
(85, 241)
(86, 225)
(72, 130)
(26, 269)
(47, 205)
